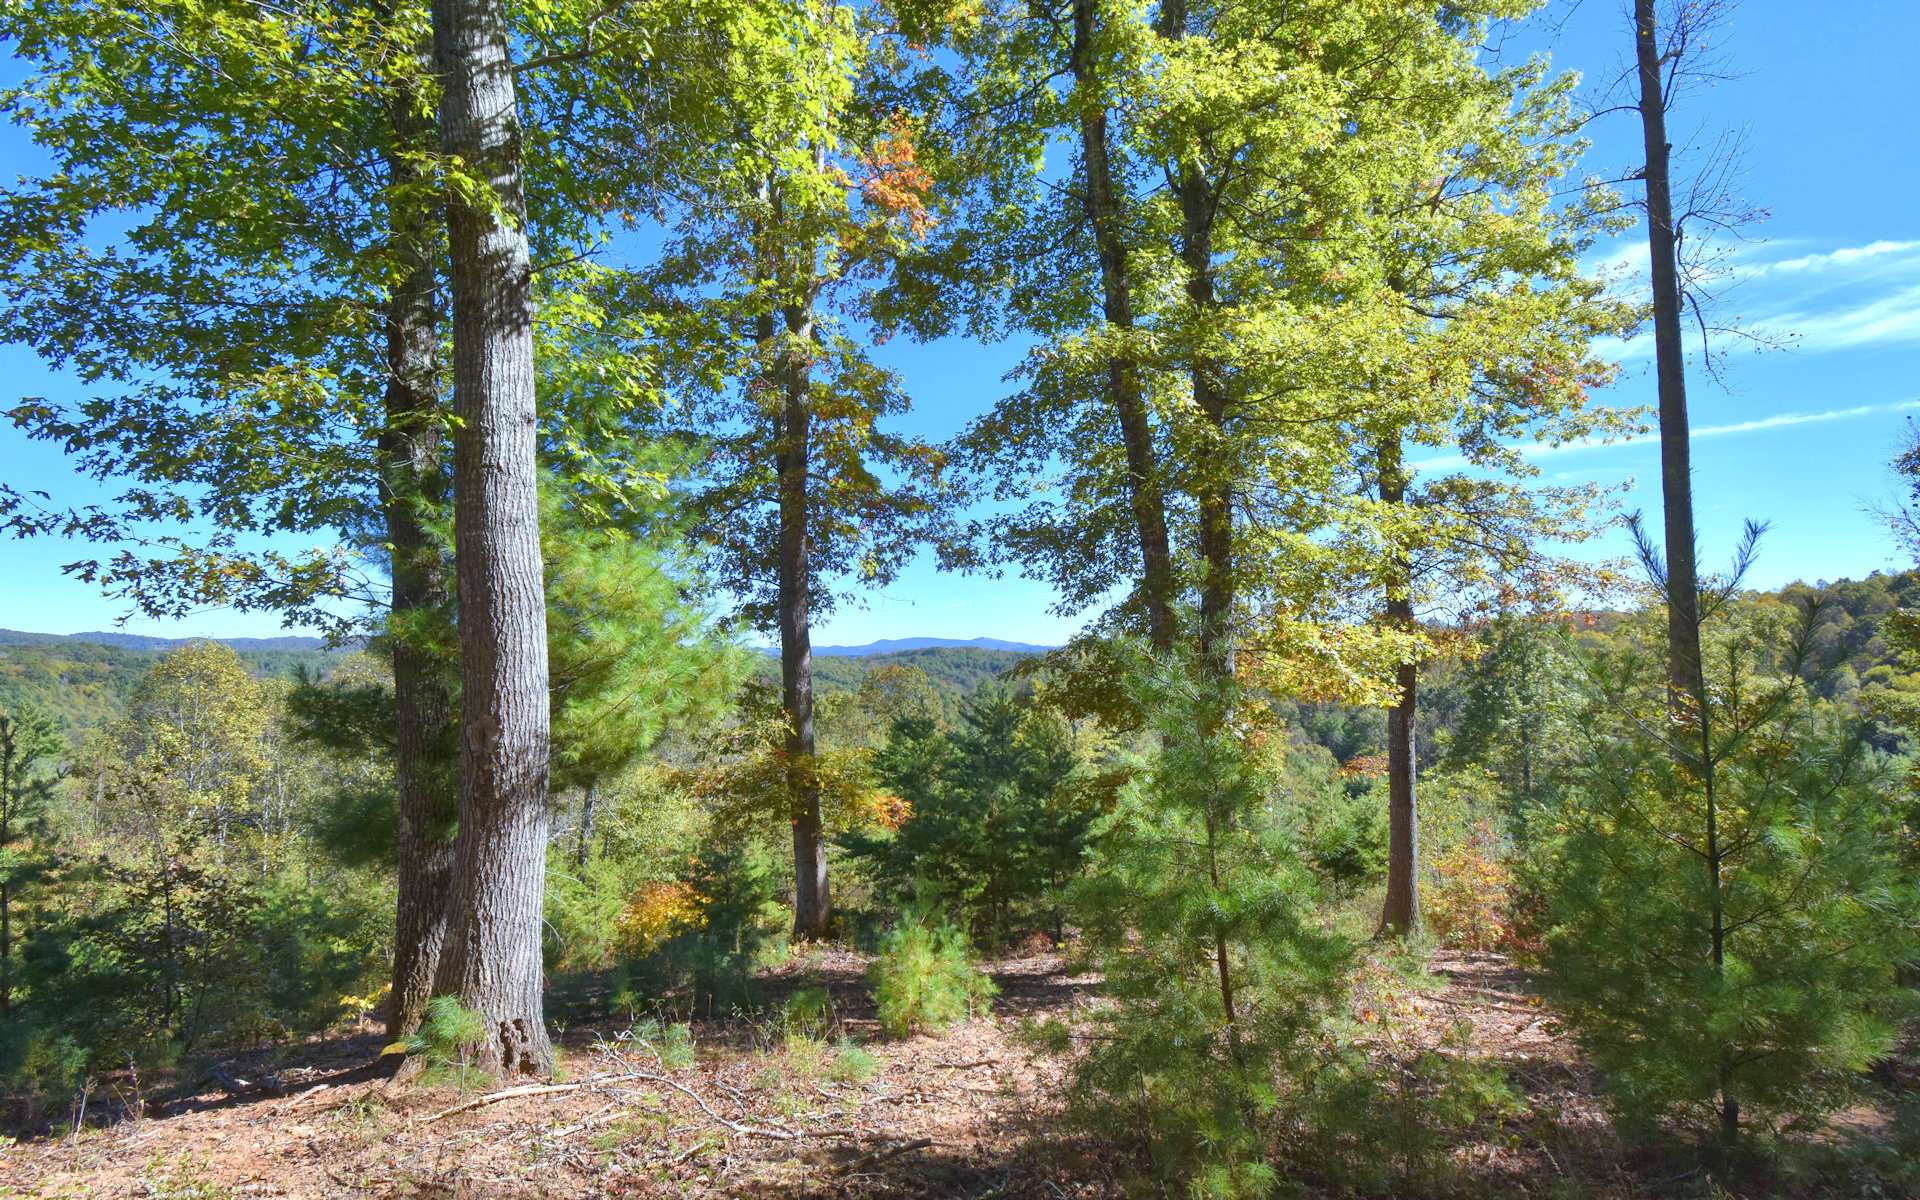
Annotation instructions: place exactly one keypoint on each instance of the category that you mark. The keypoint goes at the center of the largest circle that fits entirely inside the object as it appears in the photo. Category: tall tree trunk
(812, 904)
(412, 487)
(1400, 915)
(1213, 479)
(1123, 374)
(1676, 470)
(492, 955)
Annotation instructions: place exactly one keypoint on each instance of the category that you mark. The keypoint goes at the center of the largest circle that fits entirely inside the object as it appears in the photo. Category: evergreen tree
(27, 746)
(1727, 927)
(1199, 911)
(995, 824)
(1517, 721)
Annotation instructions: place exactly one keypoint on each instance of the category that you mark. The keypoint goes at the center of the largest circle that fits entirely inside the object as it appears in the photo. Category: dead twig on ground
(877, 1156)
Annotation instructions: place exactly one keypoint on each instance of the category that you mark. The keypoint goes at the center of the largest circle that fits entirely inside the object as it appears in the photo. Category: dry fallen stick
(1512, 1008)
(875, 1157)
(512, 1093)
(770, 1133)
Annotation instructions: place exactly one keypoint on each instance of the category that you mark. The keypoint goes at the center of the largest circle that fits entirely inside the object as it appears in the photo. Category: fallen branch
(768, 1132)
(236, 1086)
(512, 1093)
(875, 1157)
(1478, 1004)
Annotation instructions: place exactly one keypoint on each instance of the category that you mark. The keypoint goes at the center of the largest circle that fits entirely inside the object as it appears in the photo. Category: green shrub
(445, 1042)
(708, 966)
(1379, 1112)
(43, 1071)
(852, 1063)
(809, 1011)
(924, 978)
(670, 1044)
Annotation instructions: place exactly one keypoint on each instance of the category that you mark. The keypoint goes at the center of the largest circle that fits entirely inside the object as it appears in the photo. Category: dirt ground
(974, 1113)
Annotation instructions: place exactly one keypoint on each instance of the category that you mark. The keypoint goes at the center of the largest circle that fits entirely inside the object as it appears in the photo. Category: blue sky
(1825, 97)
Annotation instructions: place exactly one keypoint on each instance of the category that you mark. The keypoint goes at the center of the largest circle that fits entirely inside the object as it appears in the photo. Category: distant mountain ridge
(147, 643)
(898, 645)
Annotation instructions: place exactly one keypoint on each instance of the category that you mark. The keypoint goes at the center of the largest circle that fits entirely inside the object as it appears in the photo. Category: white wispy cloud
(1700, 432)
(1883, 321)
(1846, 256)
(1816, 301)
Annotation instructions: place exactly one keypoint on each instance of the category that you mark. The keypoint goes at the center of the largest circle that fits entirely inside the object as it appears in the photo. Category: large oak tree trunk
(812, 902)
(1123, 375)
(1676, 469)
(1400, 915)
(492, 955)
(412, 483)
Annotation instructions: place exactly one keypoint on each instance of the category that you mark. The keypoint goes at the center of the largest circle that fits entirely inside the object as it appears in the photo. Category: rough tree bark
(492, 955)
(812, 901)
(412, 483)
(1400, 914)
(1676, 468)
(1123, 375)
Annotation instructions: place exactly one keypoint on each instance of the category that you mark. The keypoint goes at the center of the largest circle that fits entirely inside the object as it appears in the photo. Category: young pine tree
(994, 825)
(1729, 913)
(1199, 910)
(28, 743)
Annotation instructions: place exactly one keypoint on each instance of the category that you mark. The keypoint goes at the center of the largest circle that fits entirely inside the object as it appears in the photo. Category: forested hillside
(1376, 832)
(82, 685)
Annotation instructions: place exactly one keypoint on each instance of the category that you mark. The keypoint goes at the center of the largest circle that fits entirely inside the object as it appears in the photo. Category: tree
(994, 825)
(864, 717)
(762, 300)
(1657, 67)
(190, 761)
(1106, 218)
(1242, 174)
(1490, 346)
(492, 961)
(239, 244)
(238, 141)
(1196, 907)
(1728, 923)
(27, 744)
(1517, 720)
(1672, 52)
(633, 657)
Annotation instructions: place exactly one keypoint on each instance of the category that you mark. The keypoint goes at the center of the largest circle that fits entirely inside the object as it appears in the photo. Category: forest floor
(975, 1113)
